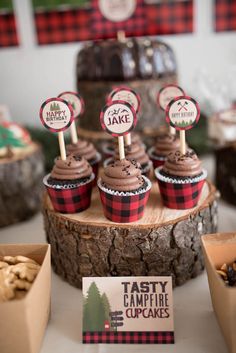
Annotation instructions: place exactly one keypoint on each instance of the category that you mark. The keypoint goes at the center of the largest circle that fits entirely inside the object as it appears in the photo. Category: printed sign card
(128, 310)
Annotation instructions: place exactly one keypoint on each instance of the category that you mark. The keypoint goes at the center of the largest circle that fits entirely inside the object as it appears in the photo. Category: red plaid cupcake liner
(157, 161)
(178, 193)
(71, 199)
(124, 207)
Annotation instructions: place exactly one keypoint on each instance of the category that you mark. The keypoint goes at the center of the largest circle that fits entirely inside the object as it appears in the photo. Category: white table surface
(196, 329)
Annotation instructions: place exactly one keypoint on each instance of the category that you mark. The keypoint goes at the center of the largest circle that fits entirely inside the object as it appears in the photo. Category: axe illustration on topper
(182, 106)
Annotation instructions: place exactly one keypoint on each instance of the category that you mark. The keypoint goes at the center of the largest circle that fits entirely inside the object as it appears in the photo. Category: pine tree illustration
(93, 310)
(107, 308)
(54, 106)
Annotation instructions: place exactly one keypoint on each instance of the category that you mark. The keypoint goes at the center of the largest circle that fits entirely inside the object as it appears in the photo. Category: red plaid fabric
(165, 337)
(89, 24)
(123, 209)
(169, 17)
(63, 26)
(180, 196)
(225, 15)
(71, 200)
(103, 28)
(8, 33)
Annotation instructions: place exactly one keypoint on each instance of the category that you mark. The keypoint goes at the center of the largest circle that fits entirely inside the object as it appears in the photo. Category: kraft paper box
(218, 249)
(23, 322)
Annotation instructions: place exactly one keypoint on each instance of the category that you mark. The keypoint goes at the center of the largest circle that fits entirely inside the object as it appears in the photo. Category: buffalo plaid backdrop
(8, 33)
(79, 24)
(225, 15)
(129, 337)
(133, 26)
(170, 17)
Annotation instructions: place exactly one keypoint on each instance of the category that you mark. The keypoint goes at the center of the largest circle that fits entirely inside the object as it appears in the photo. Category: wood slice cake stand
(163, 242)
(21, 186)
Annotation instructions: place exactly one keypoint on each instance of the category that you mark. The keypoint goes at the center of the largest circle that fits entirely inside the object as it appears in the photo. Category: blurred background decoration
(200, 33)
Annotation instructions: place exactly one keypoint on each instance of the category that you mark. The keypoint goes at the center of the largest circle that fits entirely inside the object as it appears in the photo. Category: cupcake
(165, 144)
(87, 150)
(124, 191)
(135, 151)
(109, 148)
(180, 180)
(70, 184)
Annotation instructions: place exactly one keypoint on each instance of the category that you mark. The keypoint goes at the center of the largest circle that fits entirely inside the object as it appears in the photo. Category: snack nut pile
(17, 275)
(228, 274)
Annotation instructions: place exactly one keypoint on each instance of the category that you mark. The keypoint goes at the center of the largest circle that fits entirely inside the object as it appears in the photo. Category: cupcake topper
(128, 95)
(56, 114)
(77, 103)
(182, 113)
(118, 118)
(165, 95)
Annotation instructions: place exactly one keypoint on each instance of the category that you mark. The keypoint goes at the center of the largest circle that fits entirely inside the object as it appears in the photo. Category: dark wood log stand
(163, 242)
(226, 172)
(21, 186)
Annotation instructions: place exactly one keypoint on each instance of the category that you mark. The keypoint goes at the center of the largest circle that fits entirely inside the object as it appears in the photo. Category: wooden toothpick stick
(73, 133)
(182, 142)
(62, 145)
(128, 139)
(121, 147)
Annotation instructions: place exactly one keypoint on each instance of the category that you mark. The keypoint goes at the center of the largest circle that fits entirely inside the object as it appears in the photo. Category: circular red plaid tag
(56, 114)
(167, 93)
(182, 113)
(75, 100)
(118, 118)
(125, 94)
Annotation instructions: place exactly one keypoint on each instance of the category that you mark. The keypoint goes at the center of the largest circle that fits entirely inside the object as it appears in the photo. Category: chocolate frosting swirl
(82, 148)
(183, 165)
(123, 175)
(135, 151)
(74, 167)
(165, 144)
